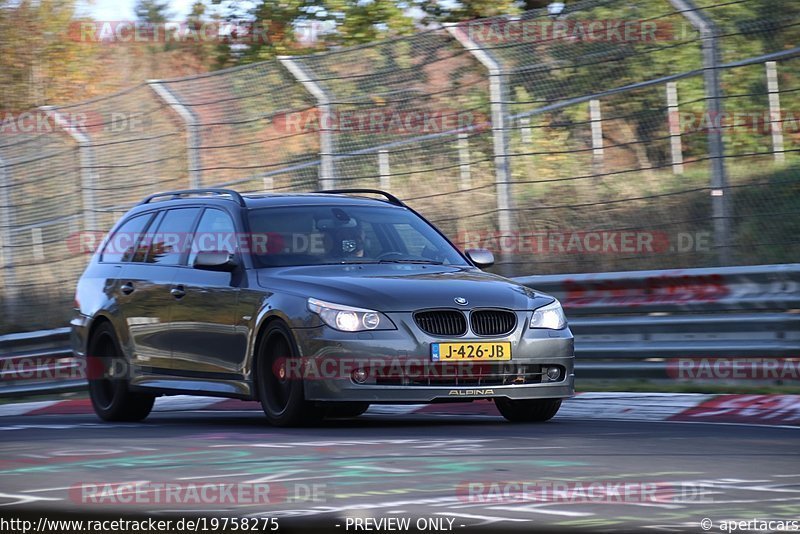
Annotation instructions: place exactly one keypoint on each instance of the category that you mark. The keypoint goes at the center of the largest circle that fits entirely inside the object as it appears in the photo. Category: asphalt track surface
(406, 466)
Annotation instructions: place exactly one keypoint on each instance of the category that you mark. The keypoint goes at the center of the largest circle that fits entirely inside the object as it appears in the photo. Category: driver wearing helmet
(345, 241)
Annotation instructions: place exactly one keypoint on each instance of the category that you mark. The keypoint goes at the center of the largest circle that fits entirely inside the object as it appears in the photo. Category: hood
(401, 287)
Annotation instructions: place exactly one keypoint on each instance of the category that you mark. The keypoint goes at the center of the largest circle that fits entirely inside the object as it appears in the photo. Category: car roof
(263, 200)
(300, 199)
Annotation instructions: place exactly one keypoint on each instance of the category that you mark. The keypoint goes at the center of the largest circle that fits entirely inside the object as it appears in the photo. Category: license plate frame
(451, 351)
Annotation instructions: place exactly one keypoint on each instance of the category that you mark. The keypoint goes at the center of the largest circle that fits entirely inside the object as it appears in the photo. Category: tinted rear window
(168, 244)
(123, 242)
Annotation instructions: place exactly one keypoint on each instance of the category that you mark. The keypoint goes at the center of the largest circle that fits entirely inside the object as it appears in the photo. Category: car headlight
(348, 318)
(550, 316)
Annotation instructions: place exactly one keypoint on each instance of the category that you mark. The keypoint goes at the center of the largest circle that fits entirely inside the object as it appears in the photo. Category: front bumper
(79, 330)
(393, 349)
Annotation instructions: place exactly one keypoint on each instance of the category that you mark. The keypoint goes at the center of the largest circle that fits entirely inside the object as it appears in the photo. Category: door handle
(177, 292)
(127, 288)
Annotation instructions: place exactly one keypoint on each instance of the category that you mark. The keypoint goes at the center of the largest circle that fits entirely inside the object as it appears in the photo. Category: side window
(124, 240)
(139, 255)
(170, 240)
(215, 233)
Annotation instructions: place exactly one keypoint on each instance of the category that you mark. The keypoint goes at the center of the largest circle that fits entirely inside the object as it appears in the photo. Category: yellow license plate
(477, 351)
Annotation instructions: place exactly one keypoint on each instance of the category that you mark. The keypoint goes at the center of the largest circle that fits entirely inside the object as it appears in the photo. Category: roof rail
(185, 192)
(390, 197)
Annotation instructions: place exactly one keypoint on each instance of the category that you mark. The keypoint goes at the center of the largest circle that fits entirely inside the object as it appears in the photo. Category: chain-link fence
(611, 136)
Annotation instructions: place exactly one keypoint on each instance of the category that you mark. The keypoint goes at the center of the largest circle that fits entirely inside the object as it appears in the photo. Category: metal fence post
(596, 119)
(37, 247)
(775, 120)
(674, 118)
(525, 131)
(327, 177)
(465, 173)
(498, 96)
(7, 244)
(87, 166)
(192, 130)
(716, 146)
(384, 170)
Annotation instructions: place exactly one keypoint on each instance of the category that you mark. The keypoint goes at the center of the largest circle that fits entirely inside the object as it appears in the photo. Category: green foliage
(768, 216)
(332, 23)
(445, 11)
(152, 11)
(364, 22)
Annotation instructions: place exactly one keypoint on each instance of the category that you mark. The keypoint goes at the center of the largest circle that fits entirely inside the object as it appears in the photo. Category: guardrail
(636, 324)
(38, 362)
(626, 324)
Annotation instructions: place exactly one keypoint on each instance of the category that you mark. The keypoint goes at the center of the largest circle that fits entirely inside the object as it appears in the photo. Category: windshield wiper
(346, 262)
(355, 261)
(424, 262)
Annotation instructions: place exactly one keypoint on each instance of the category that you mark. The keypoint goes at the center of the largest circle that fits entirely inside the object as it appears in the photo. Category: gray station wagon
(317, 305)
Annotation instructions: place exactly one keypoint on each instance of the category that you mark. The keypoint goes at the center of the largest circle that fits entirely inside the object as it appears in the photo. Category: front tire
(109, 392)
(281, 394)
(528, 411)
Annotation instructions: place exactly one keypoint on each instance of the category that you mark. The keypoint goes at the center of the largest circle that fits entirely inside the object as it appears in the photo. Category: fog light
(553, 373)
(360, 376)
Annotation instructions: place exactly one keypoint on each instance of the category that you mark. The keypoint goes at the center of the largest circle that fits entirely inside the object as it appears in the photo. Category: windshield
(319, 235)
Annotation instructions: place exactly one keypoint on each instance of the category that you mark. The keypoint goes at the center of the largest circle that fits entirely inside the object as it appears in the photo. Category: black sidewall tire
(296, 410)
(528, 410)
(123, 404)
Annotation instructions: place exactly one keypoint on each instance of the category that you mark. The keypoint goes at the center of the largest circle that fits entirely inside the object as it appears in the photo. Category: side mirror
(480, 257)
(215, 261)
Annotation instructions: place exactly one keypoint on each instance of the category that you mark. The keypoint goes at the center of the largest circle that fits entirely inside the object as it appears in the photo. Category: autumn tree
(41, 62)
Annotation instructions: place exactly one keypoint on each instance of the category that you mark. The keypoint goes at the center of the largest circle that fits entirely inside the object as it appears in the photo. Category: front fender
(291, 309)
